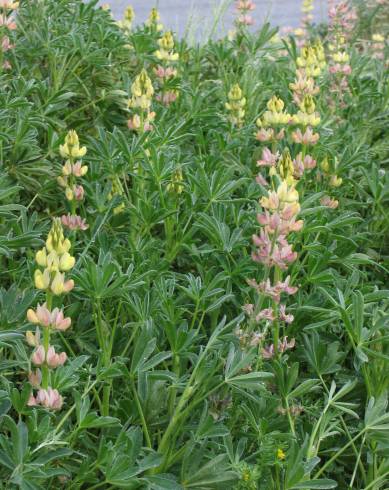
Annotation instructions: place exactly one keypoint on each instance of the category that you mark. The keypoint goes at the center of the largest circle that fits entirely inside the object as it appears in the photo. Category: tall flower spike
(236, 105)
(154, 21)
(243, 8)
(275, 114)
(142, 92)
(166, 48)
(128, 18)
(55, 260)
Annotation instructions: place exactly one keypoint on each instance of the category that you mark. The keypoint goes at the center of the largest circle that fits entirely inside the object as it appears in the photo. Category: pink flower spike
(246, 20)
(245, 5)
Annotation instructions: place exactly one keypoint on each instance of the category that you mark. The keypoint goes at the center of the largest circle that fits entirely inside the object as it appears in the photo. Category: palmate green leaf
(305, 387)
(144, 347)
(323, 358)
(214, 472)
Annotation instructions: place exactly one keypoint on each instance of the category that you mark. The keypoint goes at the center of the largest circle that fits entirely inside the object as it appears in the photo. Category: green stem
(140, 412)
(46, 344)
(339, 453)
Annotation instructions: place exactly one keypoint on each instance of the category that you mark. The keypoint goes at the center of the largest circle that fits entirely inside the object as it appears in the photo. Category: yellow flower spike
(308, 105)
(275, 104)
(176, 184)
(153, 20)
(142, 91)
(335, 181)
(129, 14)
(307, 6)
(236, 105)
(166, 44)
(71, 147)
(166, 41)
(286, 168)
(341, 57)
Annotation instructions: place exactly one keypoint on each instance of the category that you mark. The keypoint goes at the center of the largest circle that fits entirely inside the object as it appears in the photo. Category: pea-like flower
(71, 147)
(47, 398)
(52, 319)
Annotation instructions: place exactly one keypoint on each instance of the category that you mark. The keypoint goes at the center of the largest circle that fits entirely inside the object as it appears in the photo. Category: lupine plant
(193, 240)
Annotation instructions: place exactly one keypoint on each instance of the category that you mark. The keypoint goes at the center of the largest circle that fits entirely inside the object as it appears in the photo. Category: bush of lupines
(194, 251)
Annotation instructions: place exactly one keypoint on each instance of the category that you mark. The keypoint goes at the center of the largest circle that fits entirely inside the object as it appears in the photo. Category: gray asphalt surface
(200, 14)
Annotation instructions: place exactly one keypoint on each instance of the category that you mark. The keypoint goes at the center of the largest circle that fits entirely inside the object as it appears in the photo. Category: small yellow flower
(142, 91)
(66, 262)
(341, 57)
(335, 181)
(129, 14)
(280, 454)
(378, 38)
(176, 184)
(57, 284)
(42, 280)
(275, 114)
(325, 166)
(41, 257)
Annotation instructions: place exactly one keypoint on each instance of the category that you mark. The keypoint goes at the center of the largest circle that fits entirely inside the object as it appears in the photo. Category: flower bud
(32, 316)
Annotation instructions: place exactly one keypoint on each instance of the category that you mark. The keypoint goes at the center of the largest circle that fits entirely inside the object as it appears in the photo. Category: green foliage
(160, 391)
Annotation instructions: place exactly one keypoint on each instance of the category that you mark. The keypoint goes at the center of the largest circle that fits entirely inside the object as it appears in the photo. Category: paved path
(178, 14)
